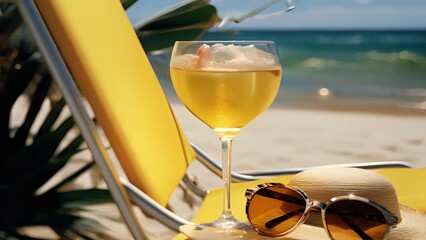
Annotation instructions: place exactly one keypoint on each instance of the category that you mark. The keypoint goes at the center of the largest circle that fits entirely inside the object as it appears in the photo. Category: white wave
(412, 105)
(420, 92)
(395, 56)
(344, 40)
(320, 63)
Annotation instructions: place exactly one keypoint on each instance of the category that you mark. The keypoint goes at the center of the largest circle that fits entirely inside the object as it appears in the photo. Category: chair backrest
(103, 53)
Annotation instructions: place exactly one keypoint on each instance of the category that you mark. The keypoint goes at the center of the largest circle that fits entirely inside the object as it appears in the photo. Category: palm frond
(185, 21)
(37, 100)
(10, 19)
(6, 233)
(127, 3)
(15, 83)
(51, 118)
(161, 40)
(197, 12)
(79, 198)
(72, 177)
(28, 162)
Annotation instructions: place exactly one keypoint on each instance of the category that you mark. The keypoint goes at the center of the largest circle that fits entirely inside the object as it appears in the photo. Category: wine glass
(225, 84)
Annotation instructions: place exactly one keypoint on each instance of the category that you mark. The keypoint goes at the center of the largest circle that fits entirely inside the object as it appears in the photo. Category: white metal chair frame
(123, 191)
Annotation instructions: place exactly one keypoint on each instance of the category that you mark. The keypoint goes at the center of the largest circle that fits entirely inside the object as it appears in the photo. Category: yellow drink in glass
(225, 84)
(226, 100)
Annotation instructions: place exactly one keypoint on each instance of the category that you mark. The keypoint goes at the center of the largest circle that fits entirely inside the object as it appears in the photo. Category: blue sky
(313, 14)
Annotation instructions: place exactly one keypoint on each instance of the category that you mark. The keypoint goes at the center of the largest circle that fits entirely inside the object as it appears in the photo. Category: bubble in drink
(220, 56)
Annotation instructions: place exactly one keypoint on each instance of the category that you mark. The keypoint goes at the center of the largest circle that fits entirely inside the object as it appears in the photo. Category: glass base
(223, 228)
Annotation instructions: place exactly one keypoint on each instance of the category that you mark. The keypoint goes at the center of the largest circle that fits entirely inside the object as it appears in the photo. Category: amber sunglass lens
(275, 210)
(353, 219)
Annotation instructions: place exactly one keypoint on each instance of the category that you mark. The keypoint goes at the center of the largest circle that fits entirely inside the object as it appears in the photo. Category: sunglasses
(275, 209)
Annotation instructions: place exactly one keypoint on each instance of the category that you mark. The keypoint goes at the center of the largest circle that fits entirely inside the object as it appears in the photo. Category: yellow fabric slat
(408, 183)
(108, 63)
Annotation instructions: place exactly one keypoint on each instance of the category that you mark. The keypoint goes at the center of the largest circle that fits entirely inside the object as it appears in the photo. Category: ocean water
(371, 68)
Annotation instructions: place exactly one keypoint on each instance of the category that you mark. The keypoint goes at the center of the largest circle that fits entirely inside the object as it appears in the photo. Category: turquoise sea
(365, 70)
(369, 71)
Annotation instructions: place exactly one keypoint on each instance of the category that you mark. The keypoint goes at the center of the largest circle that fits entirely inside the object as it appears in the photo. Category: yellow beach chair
(92, 45)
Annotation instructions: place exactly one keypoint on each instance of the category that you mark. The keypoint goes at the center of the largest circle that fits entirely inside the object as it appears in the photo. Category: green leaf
(79, 198)
(54, 164)
(11, 234)
(28, 162)
(72, 177)
(42, 175)
(72, 148)
(94, 234)
(72, 234)
(51, 118)
(4, 6)
(15, 83)
(159, 40)
(66, 221)
(38, 177)
(127, 3)
(62, 233)
(9, 20)
(187, 21)
(23, 41)
(16, 207)
(83, 236)
(65, 225)
(36, 102)
(174, 10)
(194, 13)
(87, 224)
(71, 200)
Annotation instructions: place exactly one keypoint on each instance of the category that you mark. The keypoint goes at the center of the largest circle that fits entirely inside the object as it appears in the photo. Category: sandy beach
(282, 138)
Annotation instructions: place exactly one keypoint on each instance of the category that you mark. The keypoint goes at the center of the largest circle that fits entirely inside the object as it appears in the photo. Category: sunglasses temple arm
(354, 227)
(274, 222)
(283, 197)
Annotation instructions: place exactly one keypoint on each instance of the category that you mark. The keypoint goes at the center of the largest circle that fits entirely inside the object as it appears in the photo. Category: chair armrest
(216, 168)
(364, 165)
(152, 208)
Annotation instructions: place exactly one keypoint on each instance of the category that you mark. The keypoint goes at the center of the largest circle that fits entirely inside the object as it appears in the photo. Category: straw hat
(324, 183)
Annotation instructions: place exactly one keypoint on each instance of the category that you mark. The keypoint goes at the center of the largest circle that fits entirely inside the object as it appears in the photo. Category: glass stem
(226, 143)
